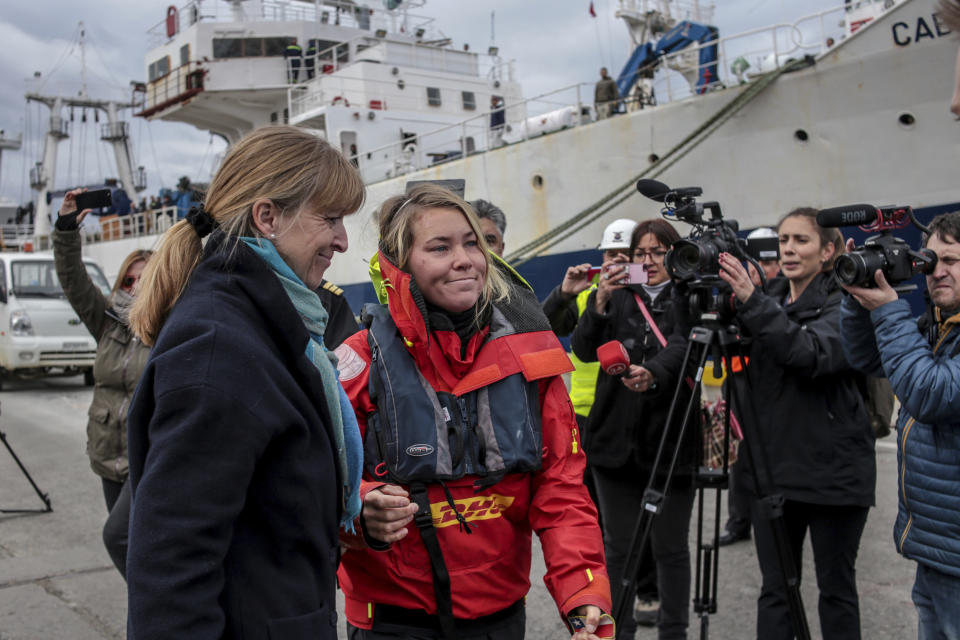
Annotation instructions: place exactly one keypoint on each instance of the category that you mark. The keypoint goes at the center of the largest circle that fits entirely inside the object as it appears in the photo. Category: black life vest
(419, 435)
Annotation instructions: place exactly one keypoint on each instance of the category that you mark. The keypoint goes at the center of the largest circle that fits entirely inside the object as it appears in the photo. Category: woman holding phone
(629, 416)
(120, 360)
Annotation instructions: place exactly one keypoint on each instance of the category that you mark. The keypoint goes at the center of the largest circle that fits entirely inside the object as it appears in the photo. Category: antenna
(493, 38)
(83, 63)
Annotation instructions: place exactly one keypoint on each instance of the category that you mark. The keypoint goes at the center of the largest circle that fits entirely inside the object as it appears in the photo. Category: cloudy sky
(555, 43)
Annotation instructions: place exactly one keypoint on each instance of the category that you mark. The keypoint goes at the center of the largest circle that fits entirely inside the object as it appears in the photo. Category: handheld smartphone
(636, 273)
(457, 185)
(94, 200)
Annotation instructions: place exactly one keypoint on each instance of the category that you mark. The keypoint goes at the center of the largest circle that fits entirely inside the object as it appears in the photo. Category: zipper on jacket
(464, 433)
(903, 481)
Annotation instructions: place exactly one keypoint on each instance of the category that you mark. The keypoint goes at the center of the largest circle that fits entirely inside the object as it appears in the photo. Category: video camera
(693, 263)
(891, 255)
(694, 260)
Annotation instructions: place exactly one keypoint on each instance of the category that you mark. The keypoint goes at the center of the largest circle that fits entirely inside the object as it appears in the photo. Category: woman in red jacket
(470, 442)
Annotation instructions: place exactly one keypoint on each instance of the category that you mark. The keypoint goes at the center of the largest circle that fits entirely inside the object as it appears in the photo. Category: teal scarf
(345, 428)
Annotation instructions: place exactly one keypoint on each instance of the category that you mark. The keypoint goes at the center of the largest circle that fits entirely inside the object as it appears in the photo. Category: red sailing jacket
(490, 567)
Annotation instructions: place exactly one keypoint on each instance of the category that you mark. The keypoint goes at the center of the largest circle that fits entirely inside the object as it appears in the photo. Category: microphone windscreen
(613, 358)
(653, 189)
(850, 215)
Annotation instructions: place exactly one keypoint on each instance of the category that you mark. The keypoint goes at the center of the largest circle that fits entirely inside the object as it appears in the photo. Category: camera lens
(850, 268)
(683, 261)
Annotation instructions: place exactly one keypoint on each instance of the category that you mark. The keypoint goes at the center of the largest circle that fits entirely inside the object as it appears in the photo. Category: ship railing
(409, 55)
(744, 55)
(106, 228)
(676, 9)
(16, 237)
(181, 82)
(553, 111)
(343, 13)
(368, 93)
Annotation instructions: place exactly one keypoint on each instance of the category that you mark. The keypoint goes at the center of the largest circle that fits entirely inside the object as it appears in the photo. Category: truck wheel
(88, 378)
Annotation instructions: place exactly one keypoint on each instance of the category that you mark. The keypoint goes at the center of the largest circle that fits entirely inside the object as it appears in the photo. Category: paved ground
(56, 581)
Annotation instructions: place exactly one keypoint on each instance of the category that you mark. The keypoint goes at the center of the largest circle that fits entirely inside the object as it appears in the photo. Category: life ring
(339, 99)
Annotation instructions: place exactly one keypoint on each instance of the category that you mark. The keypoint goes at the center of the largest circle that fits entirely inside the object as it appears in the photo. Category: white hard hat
(617, 234)
(762, 232)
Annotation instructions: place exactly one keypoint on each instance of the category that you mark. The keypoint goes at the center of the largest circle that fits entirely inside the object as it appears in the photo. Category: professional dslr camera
(891, 255)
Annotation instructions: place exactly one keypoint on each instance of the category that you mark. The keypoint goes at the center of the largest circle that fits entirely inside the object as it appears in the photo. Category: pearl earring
(272, 236)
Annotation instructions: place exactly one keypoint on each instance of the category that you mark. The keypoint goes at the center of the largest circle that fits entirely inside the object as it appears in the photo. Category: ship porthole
(653, 158)
(907, 120)
(537, 181)
(801, 135)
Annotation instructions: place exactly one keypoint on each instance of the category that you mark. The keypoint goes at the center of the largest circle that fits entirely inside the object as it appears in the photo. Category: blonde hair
(135, 256)
(284, 164)
(397, 216)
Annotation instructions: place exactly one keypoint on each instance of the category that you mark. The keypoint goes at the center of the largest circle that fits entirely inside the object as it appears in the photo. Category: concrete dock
(56, 581)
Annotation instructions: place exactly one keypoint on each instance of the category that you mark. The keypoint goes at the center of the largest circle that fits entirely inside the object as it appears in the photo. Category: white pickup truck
(40, 334)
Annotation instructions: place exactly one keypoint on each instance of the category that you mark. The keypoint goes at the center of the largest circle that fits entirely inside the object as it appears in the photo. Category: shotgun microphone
(849, 215)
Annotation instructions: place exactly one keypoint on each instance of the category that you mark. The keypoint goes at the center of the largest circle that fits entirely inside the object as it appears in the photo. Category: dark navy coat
(236, 489)
(810, 415)
(925, 374)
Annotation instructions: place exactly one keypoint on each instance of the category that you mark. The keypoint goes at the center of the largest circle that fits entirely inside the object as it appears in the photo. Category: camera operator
(818, 443)
(629, 415)
(922, 361)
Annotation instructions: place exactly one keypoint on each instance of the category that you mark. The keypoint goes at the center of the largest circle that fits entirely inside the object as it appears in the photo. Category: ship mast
(115, 131)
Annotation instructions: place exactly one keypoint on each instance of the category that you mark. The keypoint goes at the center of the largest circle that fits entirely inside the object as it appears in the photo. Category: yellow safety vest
(583, 380)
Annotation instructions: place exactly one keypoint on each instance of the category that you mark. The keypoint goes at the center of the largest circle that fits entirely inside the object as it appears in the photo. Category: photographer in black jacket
(629, 415)
(817, 439)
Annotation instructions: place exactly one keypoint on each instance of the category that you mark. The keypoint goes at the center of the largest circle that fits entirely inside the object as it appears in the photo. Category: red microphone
(613, 358)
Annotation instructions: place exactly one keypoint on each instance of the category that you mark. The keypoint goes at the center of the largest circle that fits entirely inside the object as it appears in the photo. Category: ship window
(274, 47)
(433, 96)
(252, 47)
(469, 101)
(159, 68)
(227, 47)
(184, 55)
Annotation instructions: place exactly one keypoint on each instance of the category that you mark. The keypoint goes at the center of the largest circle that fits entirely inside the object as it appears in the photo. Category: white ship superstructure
(865, 119)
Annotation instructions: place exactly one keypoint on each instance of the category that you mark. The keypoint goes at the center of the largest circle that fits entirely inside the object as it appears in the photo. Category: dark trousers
(621, 498)
(835, 537)
(117, 496)
(510, 629)
(738, 503)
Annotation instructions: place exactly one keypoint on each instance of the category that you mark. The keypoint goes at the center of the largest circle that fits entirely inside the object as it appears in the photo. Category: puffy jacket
(490, 567)
(563, 314)
(120, 360)
(816, 433)
(924, 371)
(607, 442)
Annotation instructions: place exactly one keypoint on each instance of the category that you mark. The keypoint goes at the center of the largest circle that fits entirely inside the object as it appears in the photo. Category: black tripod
(44, 497)
(724, 341)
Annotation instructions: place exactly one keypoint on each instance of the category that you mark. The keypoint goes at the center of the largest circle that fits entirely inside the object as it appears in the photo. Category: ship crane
(115, 131)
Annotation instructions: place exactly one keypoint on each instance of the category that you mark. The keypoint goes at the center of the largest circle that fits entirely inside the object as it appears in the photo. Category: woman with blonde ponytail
(245, 454)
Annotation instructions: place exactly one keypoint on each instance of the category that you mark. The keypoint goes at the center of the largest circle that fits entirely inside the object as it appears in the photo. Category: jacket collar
(813, 297)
